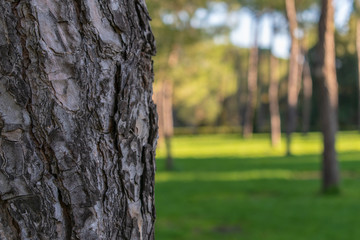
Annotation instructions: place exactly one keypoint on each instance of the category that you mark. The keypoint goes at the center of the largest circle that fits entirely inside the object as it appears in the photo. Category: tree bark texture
(78, 126)
(293, 79)
(275, 120)
(329, 95)
(252, 86)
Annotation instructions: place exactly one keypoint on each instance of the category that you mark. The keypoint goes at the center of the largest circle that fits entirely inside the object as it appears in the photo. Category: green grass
(225, 187)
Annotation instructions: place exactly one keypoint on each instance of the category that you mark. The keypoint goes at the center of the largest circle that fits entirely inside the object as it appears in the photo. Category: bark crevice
(68, 222)
(77, 76)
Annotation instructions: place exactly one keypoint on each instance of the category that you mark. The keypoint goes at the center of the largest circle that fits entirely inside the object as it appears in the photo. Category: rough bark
(329, 95)
(293, 80)
(78, 126)
(307, 94)
(252, 86)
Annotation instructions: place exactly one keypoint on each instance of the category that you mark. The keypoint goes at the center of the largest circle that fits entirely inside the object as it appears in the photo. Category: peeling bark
(78, 126)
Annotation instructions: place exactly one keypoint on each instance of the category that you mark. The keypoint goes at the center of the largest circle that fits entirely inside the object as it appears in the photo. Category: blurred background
(240, 145)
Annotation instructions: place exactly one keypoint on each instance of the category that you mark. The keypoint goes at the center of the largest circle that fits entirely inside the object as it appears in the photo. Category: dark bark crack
(68, 222)
(11, 221)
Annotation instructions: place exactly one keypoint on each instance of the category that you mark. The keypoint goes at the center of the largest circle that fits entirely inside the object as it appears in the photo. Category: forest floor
(226, 187)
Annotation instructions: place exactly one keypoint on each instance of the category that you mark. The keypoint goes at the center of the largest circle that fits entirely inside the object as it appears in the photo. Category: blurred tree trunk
(158, 99)
(261, 96)
(307, 91)
(168, 126)
(274, 102)
(241, 89)
(78, 126)
(275, 120)
(329, 96)
(293, 80)
(252, 85)
(357, 5)
(163, 99)
(165, 107)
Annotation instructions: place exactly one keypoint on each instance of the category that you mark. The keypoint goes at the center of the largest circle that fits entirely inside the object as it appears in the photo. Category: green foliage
(229, 188)
(259, 6)
(203, 78)
(210, 80)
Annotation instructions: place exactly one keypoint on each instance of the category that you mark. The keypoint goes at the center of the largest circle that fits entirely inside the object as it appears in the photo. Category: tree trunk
(274, 102)
(78, 126)
(307, 91)
(357, 4)
(275, 120)
(252, 86)
(329, 96)
(240, 89)
(163, 99)
(261, 97)
(293, 80)
(168, 121)
(158, 99)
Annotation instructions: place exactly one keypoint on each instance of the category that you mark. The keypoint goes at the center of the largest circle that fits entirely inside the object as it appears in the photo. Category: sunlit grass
(225, 187)
(258, 146)
(225, 176)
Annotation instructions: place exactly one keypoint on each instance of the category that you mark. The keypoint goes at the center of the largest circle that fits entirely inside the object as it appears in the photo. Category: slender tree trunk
(357, 4)
(168, 108)
(78, 126)
(329, 96)
(252, 86)
(241, 90)
(274, 102)
(163, 100)
(168, 121)
(275, 120)
(261, 106)
(158, 99)
(293, 80)
(307, 91)
(301, 65)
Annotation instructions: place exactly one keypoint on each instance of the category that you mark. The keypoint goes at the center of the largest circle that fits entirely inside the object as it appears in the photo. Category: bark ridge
(78, 126)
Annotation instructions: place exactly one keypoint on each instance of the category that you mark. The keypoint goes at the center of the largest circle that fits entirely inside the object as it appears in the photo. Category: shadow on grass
(311, 162)
(266, 197)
